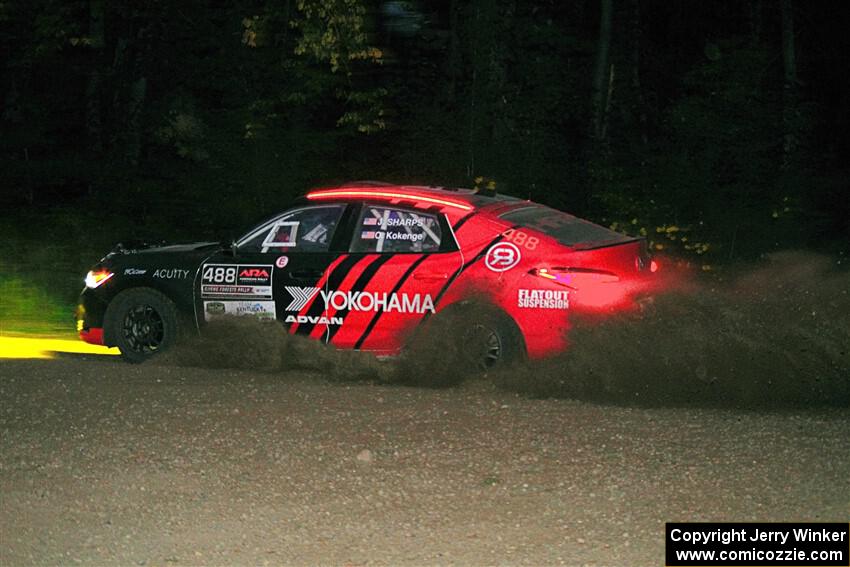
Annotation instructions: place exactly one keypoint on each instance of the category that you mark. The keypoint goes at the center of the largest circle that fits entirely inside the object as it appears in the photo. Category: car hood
(137, 247)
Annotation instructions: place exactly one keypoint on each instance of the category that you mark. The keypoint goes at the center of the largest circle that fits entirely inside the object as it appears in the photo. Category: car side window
(309, 229)
(393, 230)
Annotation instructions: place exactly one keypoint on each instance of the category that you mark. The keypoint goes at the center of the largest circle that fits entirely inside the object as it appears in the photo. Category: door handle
(430, 276)
(305, 274)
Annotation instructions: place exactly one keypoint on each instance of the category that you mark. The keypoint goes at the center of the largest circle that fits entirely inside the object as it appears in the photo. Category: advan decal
(319, 320)
(226, 280)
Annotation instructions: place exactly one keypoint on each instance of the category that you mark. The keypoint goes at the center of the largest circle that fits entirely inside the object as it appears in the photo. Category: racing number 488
(521, 238)
(220, 274)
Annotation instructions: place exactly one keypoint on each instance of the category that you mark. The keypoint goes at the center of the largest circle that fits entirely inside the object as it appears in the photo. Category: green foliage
(334, 33)
(247, 104)
(29, 308)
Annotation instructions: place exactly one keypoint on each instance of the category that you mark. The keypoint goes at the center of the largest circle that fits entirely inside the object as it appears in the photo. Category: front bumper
(89, 318)
(93, 335)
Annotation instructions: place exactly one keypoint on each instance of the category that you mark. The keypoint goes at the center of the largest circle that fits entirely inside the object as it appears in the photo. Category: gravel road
(103, 463)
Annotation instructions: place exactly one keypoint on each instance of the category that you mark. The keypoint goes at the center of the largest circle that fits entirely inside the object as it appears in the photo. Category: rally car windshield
(564, 228)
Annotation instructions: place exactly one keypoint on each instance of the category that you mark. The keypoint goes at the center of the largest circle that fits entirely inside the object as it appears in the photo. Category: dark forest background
(718, 128)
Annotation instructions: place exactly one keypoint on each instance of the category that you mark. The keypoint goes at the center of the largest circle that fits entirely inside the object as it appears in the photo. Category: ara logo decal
(320, 320)
(301, 296)
(253, 273)
(502, 257)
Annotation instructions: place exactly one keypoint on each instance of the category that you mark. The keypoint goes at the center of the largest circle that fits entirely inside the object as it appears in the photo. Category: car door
(401, 259)
(277, 270)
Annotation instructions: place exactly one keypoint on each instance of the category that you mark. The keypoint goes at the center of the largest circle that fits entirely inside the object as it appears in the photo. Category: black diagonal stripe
(461, 222)
(359, 285)
(463, 268)
(317, 308)
(395, 289)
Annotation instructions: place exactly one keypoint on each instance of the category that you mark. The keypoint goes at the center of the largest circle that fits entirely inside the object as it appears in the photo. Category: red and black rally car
(363, 265)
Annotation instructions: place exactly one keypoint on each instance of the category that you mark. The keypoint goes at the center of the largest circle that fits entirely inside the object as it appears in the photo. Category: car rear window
(564, 228)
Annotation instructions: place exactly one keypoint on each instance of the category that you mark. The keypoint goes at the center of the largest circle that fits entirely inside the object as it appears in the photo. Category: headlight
(98, 278)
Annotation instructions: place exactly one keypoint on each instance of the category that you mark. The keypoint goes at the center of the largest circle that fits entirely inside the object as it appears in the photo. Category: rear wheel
(490, 340)
(141, 322)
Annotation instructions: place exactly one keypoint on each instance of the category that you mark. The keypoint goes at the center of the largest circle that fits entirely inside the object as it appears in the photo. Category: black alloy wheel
(144, 329)
(141, 322)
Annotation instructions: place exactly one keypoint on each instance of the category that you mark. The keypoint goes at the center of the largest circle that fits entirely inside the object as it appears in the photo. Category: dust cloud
(775, 334)
(772, 335)
(246, 343)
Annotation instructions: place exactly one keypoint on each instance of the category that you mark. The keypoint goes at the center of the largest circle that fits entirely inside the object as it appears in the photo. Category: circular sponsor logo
(502, 257)
(281, 261)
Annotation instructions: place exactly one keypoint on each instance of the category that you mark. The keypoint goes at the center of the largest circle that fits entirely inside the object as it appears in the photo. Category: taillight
(590, 289)
(653, 266)
(576, 278)
(98, 278)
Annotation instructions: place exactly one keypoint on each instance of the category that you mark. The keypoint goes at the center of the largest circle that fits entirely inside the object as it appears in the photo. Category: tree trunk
(601, 73)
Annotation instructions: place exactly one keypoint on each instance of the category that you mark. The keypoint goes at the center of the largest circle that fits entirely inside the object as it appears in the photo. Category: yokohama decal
(386, 302)
(320, 283)
(301, 296)
(344, 301)
(335, 275)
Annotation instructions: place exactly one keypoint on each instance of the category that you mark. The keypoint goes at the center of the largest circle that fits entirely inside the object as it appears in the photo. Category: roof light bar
(356, 193)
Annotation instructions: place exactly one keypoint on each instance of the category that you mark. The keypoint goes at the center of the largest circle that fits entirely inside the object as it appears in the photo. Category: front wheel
(141, 323)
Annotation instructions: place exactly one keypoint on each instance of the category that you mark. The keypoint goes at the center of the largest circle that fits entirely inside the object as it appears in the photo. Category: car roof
(426, 195)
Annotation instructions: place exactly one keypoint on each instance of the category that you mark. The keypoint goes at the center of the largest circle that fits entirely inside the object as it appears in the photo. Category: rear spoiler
(607, 243)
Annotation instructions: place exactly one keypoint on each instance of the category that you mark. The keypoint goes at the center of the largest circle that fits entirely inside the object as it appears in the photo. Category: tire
(488, 337)
(141, 322)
